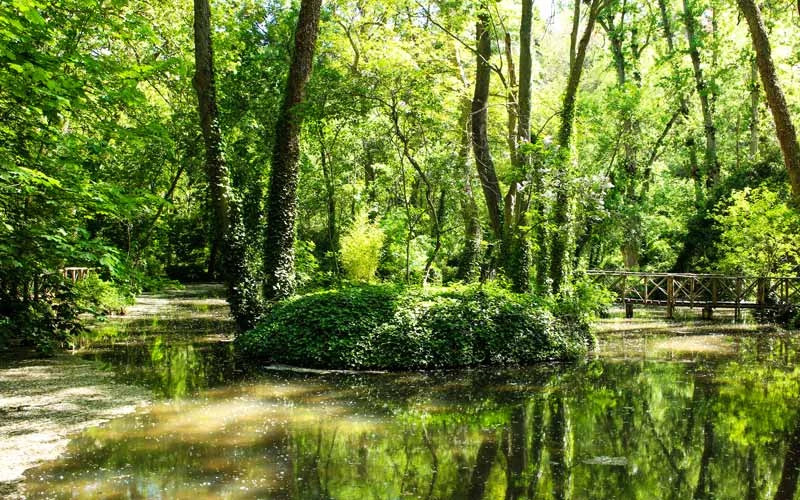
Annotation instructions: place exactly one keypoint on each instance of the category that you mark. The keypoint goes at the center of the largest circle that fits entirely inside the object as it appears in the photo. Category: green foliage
(760, 234)
(99, 297)
(795, 321)
(305, 263)
(361, 248)
(43, 323)
(585, 301)
(383, 326)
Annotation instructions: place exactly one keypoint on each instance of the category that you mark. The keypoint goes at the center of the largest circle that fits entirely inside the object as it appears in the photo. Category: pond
(673, 412)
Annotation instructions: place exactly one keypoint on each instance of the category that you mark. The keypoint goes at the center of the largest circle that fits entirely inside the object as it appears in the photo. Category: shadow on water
(690, 419)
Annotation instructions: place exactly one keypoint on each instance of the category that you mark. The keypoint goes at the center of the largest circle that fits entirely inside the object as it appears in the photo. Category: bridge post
(763, 295)
(714, 293)
(628, 310)
(737, 311)
(670, 296)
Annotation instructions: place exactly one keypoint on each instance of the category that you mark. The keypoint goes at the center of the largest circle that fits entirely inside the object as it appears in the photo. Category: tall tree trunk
(787, 136)
(711, 163)
(754, 98)
(561, 213)
(631, 244)
(216, 170)
(330, 196)
(518, 258)
(469, 264)
(480, 119)
(683, 102)
(282, 198)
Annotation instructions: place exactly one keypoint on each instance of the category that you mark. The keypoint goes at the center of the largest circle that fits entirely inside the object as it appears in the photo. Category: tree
(561, 214)
(216, 169)
(517, 199)
(282, 197)
(705, 93)
(480, 124)
(787, 135)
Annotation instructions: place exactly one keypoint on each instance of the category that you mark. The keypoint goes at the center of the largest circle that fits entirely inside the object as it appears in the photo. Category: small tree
(361, 248)
(760, 234)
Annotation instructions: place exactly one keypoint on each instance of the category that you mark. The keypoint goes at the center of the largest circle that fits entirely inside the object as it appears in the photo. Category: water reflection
(695, 426)
(176, 344)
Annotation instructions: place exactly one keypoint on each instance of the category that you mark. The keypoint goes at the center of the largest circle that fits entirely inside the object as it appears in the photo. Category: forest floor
(44, 402)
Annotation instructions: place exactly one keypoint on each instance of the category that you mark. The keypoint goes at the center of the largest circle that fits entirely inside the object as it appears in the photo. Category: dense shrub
(795, 321)
(383, 326)
(99, 297)
(40, 322)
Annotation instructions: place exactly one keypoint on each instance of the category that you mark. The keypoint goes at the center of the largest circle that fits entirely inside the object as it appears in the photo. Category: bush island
(388, 327)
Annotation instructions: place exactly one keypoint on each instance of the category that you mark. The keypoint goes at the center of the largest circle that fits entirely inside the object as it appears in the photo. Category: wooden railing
(33, 288)
(75, 273)
(708, 291)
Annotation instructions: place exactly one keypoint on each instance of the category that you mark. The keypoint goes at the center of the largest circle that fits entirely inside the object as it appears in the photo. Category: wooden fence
(39, 286)
(707, 291)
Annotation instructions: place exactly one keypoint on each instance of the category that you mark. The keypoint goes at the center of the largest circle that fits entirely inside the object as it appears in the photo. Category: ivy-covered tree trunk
(629, 178)
(282, 197)
(683, 102)
(787, 135)
(518, 255)
(561, 215)
(216, 170)
(469, 263)
(480, 119)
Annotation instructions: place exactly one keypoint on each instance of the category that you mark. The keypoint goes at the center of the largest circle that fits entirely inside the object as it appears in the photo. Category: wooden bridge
(706, 291)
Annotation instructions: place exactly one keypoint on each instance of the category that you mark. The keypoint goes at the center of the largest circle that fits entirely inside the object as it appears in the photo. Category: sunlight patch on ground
(43, 402)
(710, 344)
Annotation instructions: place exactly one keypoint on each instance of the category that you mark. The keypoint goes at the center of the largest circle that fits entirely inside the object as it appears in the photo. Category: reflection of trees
(537, 444)
(557, 447)
(487, 452)
(515, 449)
(600, 429)
(791, 466)
(172, 366)
(705, 485)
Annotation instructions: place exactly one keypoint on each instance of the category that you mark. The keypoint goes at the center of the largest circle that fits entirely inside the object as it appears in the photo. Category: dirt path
(43, 402)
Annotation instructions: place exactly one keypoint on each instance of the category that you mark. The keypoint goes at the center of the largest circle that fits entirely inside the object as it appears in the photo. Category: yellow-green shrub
(361, 249)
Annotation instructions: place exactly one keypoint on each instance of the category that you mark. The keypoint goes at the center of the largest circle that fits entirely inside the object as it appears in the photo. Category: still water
(650, 415)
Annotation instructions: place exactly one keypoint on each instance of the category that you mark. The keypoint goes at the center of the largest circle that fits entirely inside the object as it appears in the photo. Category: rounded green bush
(387, 327)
